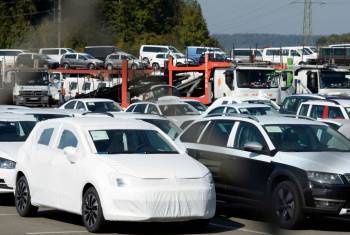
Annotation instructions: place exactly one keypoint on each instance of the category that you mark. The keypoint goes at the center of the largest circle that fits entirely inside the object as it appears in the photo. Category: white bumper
(6, 180)
(172, 202)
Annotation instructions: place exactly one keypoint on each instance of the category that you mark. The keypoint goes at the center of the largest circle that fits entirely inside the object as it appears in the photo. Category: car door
(249, 171)
(82, 61)
(40, 165)
(67, 174)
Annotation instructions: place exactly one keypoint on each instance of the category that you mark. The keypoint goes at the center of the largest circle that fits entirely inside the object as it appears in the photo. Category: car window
(68, 139)
(217, 110)
(291, 104)
(335, 113)
(140, 108)
(317, 111)
(80, 106)
(303, 110)
(152, 109)
(231, 110)
(45, 136)
(70, 105)
(247, 133)
(130, 109)
(81, 57)
(217, 133)
(192, 133)
(70, 56)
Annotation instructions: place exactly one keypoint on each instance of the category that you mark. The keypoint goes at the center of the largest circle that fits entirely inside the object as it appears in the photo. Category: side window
(217, 110)
(68, 139)
(247, 133)
(217, 133)
(294, 53)
(140, 108)
(192, 133)
(70, 105)
(335, 113)
(290, 104)
(303, 109)
(317, 111)
(231, 110)
(80, 106)
(130, 109)
(152, 109)
(45, 136)
(81, 57)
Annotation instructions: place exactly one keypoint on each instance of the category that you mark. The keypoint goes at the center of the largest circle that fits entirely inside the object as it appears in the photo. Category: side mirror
(253, 147)
(71, 154)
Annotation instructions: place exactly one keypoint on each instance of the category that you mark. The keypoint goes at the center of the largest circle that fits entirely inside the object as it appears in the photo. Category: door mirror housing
(71, 154)
(253, 147)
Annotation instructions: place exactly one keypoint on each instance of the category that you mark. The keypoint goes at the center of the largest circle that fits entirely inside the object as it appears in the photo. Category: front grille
(33, 93)
(347, 176)
(26, 93)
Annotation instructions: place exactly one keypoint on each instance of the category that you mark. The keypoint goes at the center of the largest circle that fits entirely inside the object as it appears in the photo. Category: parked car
(291, 103)
(115, 170)
(98, 105)
(8, 56)
(101, 52)
(195, 52)
(14, 130)
(246, 55)
(159, 60)
(80, 60)
(298, 55)
(291, 167)
(35, 60)
(325, 109)
(149, 52)
(55, 53)
(337, 55)
(115, 61)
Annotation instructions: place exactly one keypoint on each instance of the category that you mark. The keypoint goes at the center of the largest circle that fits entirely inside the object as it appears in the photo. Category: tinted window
(101, 106)
(68, 139)
(303, 110)
(290, 104)
(231, 110)
(243, 52)
(217, 133)
(317, 111)
(12, 53)
(80, 106)
(45, 136)
(152, 109)
(70, 56)
(248, 133)
(86, 86)
(217, 110)
(15, 131)
(70, 105)
(50, 52)
(81, 57)
(130, 109)
(140, 108)
(335, 113)
(192, 133)
(160, 56)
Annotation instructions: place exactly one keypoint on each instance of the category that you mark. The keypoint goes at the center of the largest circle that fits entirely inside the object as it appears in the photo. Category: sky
(275, 16)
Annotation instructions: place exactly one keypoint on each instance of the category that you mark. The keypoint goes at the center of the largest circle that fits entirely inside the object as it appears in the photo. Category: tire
(91, 66)
(146, 60)
(23, 200)
(133, 66)
(109, 67)
(66, 65)
(286, 205)
(92, 213)
(155, 66)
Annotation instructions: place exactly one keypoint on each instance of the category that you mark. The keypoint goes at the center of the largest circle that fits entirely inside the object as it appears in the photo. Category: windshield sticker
(99, 135)
(274, 129)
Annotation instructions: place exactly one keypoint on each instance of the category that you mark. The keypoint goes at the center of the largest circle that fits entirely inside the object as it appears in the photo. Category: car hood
(332, 162)
(9, 150)
(156, 166)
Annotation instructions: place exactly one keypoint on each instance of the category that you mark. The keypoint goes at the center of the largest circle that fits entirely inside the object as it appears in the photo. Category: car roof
(16, 117)
(37, 111)
(308, 95)
(331, 102)
(92, 100)
(139, 116)
(245, 105)
(101, 123)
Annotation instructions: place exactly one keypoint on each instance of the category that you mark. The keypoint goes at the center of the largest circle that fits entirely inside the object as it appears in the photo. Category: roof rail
(93, 113)
(252, 117)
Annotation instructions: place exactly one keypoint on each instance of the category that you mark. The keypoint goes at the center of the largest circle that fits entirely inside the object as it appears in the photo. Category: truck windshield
(257, 79)
(32, 78)
(333, 79)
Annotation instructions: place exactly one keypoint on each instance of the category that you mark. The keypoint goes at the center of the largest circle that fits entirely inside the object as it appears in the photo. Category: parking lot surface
(237, 221)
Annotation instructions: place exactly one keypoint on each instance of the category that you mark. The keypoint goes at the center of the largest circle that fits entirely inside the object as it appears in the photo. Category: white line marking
(240, 229)
(58, 232)
(7, 214)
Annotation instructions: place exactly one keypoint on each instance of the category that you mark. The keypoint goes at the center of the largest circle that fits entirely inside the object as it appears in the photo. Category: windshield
(131, 142)
(166, 126)
(16, 131)
(177, 110)
(255, 79)
(332, 79)
(197, 105)
(258, 111)
(32, 78)
(174, 50)
(102, 106)
(306, 138)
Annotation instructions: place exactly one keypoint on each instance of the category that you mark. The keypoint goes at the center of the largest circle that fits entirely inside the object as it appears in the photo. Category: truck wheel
(110, 67)
(146, 60)
(286, 205)
(91, 66)
(66, 65)
(155, 66)
(133, 66)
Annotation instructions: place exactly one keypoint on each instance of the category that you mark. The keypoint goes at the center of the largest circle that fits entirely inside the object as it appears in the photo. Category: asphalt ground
(228, 221)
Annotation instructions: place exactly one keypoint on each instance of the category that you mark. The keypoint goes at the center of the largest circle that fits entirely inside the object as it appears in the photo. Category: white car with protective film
(113, 169)
(14, 130)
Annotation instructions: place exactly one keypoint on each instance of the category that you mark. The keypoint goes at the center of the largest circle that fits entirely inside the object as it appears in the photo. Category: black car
(35, 60)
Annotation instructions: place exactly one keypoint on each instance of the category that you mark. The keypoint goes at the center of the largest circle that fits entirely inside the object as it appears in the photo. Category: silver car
(115, 60)
(80, 60)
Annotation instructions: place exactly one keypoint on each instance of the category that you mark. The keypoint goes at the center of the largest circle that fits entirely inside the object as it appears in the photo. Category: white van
(9, 56)
(299, 55)
(55, 53)
(149, 52)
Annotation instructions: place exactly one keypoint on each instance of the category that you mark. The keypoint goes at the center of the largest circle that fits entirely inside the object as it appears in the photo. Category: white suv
(292, 167)
(149, 52)
(325, 109)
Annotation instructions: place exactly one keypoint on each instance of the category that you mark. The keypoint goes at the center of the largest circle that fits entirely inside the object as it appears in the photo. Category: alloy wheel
(90, 209)
(285, 205)
(22, 195)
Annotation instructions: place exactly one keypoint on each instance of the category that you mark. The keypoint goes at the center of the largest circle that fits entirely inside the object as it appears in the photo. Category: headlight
(126, 180)
(7, 164)
(209, 178)
(324, 178)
